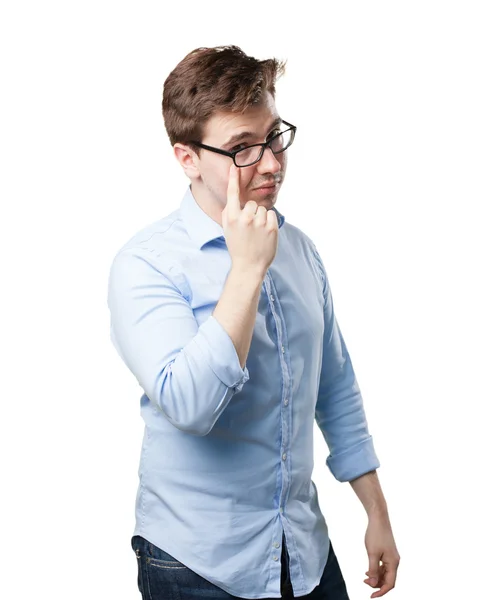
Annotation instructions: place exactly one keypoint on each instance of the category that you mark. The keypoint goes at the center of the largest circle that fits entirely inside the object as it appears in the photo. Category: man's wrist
(378, 511)
(368, 490)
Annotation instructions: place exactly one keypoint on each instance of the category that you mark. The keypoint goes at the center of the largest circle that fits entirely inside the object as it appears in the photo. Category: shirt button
(275, 558)
(282, 349)
(284, 455)
(276, 545)
(272, 298)
(286, 402)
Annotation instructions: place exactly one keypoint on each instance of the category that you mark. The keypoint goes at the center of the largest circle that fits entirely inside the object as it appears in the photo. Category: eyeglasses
(249, 155)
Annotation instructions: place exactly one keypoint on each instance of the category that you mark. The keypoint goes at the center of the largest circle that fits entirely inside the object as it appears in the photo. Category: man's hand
(251, 232)
(383, 555)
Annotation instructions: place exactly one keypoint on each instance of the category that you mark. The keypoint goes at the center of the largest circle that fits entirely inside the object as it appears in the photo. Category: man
(223, 312)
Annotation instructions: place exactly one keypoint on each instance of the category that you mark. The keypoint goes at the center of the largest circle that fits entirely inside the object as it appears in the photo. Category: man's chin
(266, 199)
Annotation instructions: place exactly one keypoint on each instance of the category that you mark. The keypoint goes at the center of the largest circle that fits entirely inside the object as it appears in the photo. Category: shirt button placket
(284, 455)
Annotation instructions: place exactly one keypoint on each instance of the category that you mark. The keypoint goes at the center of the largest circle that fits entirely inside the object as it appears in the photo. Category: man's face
(261, 121)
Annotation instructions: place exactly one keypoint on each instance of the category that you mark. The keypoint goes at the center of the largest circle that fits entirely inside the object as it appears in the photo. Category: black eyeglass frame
(263, 145)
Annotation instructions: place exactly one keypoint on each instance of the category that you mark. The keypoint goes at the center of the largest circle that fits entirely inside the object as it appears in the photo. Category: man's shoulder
(158, 244)
(159, 247)
(297, 235)
(156, 233)
(301, 243)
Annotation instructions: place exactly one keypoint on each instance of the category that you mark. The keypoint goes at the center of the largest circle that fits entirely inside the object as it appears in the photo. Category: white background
(383, 176)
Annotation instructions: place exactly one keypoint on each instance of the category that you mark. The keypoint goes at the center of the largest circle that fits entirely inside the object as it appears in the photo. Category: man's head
(212, 96)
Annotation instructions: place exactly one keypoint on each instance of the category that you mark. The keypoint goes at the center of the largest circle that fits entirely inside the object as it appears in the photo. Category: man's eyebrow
(248, 134)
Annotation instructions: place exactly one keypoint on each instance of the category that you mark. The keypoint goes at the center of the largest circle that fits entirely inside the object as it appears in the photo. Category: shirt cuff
(353, 463)
(221, 355)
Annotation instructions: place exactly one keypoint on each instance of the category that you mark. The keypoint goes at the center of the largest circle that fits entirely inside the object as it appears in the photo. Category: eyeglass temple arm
(218, 150)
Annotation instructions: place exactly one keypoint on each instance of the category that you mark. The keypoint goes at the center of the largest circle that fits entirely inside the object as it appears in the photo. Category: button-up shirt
(227, 453)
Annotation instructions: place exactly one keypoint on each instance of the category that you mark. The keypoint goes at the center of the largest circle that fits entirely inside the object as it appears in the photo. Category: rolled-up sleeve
(339, 408)
(189, 372)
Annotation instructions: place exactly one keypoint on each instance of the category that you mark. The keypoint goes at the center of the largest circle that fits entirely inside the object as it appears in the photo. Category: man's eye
(243, 146)
(238, 147)
(273, 133)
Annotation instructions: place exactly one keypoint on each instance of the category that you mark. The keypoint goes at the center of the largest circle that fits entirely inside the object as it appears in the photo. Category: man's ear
(188, 160)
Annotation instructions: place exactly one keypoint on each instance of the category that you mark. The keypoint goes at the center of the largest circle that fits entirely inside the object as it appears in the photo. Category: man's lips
(267, 185)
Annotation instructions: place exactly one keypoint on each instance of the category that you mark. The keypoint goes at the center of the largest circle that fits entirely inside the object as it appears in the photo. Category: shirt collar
(200, 227)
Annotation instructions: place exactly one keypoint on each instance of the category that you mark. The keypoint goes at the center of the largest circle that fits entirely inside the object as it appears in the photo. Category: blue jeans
(162, 577)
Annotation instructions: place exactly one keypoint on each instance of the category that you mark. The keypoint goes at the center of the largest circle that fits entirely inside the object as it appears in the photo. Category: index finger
(233, 191)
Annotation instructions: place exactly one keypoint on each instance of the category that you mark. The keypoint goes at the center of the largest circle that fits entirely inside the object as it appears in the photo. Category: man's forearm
(237, 308)
(368, 490)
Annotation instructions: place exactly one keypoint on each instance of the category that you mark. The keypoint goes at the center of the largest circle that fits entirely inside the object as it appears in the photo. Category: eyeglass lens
(251, 155)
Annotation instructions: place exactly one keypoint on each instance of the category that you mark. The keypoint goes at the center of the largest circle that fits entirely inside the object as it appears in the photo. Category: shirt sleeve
(339, 408)
(189, 372)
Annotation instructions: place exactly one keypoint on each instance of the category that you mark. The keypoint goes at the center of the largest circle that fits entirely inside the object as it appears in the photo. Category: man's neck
(207, 203)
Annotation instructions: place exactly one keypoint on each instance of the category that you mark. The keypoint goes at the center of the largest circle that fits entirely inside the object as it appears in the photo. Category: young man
(223, 312)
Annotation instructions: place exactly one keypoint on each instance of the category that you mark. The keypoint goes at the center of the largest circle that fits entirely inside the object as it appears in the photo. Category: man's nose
(268, 163)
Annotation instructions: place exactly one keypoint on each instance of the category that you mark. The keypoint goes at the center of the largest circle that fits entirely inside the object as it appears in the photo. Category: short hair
(215, 79)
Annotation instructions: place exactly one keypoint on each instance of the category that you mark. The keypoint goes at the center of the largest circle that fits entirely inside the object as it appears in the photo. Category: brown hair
(212, 79)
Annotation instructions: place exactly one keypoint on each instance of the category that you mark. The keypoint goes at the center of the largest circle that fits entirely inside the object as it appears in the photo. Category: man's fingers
(233, 192)
(373, 571)
(376, 582)
(387, 581)
(385, 588)
(272, 219)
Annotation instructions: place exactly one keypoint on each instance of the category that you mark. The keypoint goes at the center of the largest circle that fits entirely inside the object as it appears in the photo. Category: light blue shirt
(227, 453)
